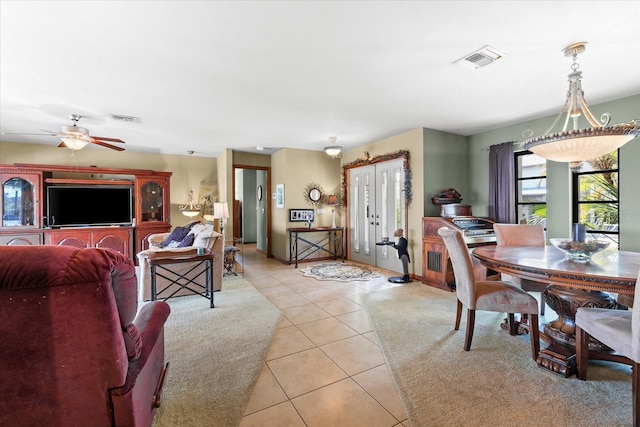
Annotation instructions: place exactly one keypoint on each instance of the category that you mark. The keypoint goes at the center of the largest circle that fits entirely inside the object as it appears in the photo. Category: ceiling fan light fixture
(333, 150)
(74, 143)
(576, 145)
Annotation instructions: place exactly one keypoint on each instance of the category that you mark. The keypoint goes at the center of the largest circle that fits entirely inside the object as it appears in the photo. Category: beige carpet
(496, 383)
(215, 355)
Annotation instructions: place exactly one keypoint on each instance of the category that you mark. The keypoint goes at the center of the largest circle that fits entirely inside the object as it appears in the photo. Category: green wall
(559, 175)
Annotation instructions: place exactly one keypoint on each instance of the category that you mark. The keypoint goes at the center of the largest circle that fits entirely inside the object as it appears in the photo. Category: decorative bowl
(579, 251)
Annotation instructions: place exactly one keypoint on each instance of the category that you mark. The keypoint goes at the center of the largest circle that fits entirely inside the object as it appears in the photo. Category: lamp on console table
(221, 211)
(333, 201)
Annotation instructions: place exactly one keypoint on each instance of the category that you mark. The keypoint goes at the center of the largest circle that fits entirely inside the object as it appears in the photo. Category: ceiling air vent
(480, 58)
(127, 119)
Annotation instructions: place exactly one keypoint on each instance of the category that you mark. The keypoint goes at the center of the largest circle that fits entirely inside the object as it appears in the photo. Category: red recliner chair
(72, 349)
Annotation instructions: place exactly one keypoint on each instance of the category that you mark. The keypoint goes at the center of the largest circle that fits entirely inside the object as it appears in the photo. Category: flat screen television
(91, 205)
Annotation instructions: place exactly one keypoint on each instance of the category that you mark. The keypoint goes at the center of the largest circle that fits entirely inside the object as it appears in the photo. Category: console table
(161, 266)
(326, 239)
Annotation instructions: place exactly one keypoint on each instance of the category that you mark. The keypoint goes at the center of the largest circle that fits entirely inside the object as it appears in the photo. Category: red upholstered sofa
(73, 349)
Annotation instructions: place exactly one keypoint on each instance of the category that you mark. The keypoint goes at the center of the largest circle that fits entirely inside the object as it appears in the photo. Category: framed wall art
(301, 215)
(279, 195)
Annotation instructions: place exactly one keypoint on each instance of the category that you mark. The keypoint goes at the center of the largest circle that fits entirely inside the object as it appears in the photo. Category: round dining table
(571, 284)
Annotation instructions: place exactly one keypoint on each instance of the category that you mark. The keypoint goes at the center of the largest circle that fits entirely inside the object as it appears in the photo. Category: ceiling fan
(75, 137)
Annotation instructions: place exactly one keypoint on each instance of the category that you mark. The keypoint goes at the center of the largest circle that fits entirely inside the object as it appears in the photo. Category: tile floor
(324, 367)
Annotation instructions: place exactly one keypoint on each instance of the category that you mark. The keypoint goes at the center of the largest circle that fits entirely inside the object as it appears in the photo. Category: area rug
(497, 383)
(215, 355)
(341, 272)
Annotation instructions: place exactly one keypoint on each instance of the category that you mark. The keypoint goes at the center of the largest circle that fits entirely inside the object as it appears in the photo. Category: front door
(376, 211)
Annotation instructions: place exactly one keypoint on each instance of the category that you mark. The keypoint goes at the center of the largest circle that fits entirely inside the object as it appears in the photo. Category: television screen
(89, 206)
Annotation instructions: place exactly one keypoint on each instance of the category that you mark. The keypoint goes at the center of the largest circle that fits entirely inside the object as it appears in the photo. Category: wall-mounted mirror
(313, 194)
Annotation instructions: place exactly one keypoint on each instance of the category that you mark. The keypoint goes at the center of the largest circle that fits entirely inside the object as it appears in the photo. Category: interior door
(376, 211)
(362, 206)
(389, 211)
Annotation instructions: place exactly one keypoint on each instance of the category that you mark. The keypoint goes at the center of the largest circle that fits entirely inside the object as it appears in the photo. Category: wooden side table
(231, 250)
(161, 266)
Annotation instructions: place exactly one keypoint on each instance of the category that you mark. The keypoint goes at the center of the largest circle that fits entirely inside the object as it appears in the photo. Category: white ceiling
(209, 75)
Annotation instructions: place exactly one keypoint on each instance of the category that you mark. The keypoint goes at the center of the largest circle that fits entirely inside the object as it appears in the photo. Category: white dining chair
(618, 330)
(522, 235)
(487, 295)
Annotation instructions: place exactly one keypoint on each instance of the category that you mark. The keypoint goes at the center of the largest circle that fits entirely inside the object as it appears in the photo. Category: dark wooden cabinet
(152, 208)
(20, 206)
(23, 206)
(116, 238)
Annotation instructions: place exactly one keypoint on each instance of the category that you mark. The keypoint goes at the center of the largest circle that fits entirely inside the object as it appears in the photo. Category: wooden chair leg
(458, 315)
(471, 321)
(635, 386)
(582, 353)
(534, 331)
(511, 323)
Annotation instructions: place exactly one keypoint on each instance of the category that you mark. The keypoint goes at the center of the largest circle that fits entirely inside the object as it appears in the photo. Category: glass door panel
(18, 207)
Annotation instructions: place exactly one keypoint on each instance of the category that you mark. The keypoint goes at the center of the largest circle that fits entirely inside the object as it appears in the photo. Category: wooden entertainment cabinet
(23, 206)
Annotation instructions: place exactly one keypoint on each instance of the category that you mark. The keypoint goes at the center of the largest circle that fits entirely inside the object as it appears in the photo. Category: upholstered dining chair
(618, 330)
(489, 295)
(522, 235)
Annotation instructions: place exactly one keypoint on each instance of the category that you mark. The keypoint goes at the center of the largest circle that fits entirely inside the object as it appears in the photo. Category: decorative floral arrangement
(406, 187)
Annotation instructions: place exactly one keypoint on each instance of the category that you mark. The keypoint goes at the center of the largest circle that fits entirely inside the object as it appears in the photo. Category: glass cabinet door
(152, 202)
(18, 202)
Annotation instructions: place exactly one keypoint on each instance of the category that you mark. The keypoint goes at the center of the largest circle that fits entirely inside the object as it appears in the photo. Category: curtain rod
(516, 143)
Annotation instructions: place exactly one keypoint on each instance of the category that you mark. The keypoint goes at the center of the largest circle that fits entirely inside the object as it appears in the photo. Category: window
(531, 188)
(595, 197)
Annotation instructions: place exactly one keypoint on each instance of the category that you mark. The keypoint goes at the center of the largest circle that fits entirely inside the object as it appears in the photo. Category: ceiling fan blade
(49, 133)
(107, 139)
(104, 144)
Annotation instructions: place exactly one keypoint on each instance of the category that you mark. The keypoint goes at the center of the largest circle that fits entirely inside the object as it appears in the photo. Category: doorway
(377, 209)
(252, 206)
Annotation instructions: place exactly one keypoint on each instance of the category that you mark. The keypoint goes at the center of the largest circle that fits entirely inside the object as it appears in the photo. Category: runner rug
(497, 383)
(341, 272)
(215, 355)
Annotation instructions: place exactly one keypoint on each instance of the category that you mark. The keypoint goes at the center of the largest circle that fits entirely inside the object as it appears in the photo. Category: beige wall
(202, 171)
(411, 141)
(251, 159)
(296, 169)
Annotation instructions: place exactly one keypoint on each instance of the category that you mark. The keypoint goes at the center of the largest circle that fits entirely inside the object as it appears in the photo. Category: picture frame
(301, 215)
(279, 195)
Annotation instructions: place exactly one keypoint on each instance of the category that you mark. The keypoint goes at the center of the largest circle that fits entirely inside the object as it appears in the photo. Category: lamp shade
(220, 210)
(584, 144)
(333, 200)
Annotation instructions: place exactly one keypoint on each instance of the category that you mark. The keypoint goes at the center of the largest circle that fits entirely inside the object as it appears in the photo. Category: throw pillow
(187, 241)
(175, 237)
(203, 238)
(196, 229)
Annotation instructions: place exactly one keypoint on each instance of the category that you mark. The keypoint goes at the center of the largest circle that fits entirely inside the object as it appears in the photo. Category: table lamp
(221, 211)
(333, 201)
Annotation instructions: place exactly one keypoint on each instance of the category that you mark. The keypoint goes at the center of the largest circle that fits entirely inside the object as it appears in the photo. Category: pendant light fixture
(576, 145)
(333, 150)
(190, 208)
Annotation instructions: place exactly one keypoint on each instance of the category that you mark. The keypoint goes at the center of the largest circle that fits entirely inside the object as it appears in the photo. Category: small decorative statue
(403, 254)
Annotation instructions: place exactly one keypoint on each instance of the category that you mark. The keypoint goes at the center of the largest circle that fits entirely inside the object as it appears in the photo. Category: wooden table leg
(560, 355)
